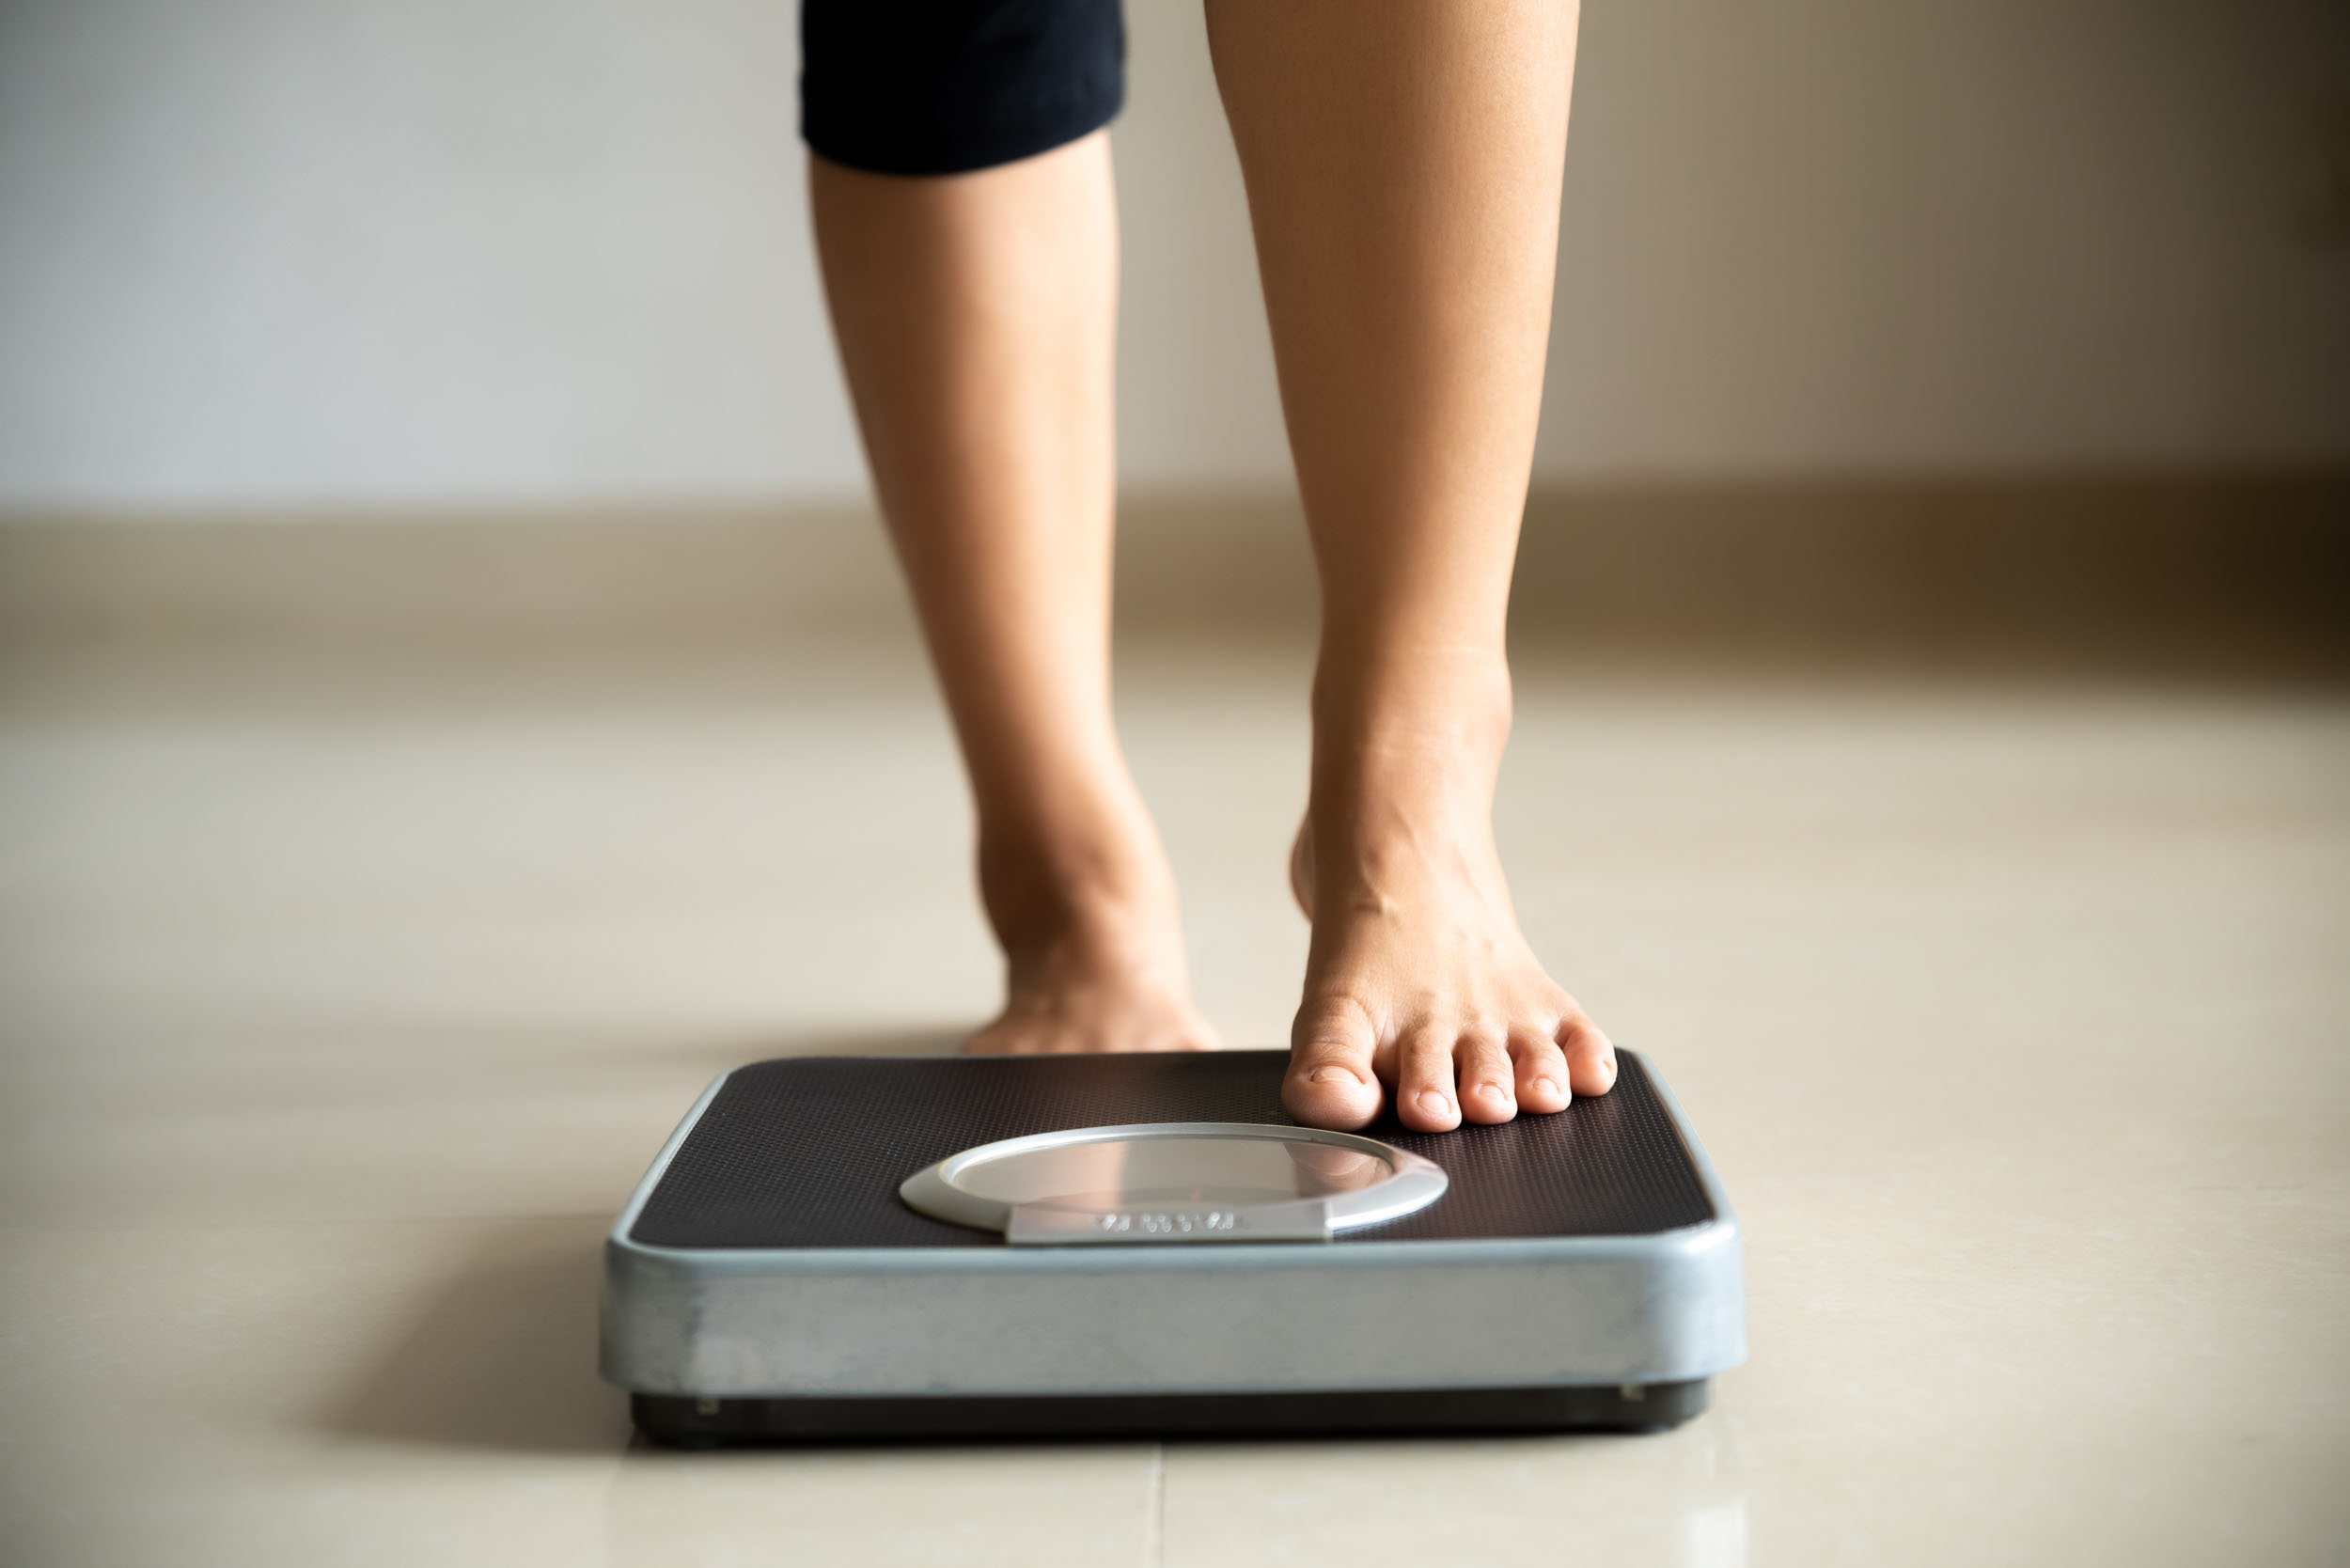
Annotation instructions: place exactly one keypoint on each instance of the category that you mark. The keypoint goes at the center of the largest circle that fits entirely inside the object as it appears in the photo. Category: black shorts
(944, 87)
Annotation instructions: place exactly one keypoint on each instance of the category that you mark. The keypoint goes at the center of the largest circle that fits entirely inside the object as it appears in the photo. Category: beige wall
(384, 252)
(1972, 235)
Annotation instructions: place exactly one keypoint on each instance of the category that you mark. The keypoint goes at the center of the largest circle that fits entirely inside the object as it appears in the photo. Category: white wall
(392, 251)
(402, 249)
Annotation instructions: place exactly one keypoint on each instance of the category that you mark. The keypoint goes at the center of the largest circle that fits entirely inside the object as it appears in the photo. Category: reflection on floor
(343, 1001)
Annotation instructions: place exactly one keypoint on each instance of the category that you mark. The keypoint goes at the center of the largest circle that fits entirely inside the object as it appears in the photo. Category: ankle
(1102, 885)
(1406, 755)
(1451, 701)
(1413, 732)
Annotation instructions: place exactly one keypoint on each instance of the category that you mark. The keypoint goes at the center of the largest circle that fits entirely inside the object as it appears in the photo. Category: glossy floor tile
(342, 1001)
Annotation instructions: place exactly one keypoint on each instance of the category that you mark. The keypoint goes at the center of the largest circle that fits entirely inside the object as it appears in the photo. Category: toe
(1488, 1087)
(1424, 1095)
(1330, 1082)
(1541, 1072)
(1591, 1056)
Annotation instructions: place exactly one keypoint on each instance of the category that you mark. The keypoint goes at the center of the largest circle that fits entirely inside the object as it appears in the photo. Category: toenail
(1495, 1092)
(1547, 1086)
(1332, 1075)
(1433, 1102)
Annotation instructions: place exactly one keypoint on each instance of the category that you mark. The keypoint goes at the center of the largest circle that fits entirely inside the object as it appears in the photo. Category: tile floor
(343, 1001)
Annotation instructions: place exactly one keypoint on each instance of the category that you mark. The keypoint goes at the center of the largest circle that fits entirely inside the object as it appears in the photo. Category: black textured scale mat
(808, 1152)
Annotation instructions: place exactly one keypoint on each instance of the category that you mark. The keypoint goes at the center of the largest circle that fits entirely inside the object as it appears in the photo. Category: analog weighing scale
(837, 1247)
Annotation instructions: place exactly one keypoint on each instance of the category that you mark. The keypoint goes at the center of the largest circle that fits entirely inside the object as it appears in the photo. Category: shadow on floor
(501, 1353)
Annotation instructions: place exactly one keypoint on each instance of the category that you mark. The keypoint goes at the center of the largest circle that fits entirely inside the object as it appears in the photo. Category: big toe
(1330, 1082)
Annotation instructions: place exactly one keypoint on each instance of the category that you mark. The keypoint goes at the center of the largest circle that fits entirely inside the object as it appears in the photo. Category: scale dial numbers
(1154, 1223)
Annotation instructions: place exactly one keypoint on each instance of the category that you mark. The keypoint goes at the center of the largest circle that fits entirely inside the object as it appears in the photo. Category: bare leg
(977, 317)
(1404, 161)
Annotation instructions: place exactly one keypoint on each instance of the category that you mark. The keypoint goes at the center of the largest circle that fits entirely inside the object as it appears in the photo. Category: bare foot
(1419, 984)
(1105, 984)
(1093, 939)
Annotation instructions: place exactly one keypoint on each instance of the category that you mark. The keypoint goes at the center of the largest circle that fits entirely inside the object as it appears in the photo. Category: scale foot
(680, 1420)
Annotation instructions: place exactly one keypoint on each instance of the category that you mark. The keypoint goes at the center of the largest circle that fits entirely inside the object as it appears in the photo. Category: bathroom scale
(856, 1248)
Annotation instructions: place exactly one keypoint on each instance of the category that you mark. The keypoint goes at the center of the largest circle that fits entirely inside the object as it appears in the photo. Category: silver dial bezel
(1416, 1184)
